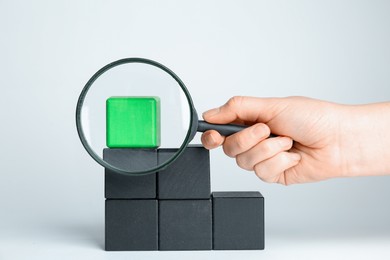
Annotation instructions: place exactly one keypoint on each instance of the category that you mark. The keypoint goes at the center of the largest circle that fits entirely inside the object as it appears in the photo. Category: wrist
(365, 140)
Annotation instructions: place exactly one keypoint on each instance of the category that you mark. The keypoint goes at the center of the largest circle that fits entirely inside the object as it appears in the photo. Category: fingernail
(211, 140)
(295, 156)
(284, 141)
(211, 112)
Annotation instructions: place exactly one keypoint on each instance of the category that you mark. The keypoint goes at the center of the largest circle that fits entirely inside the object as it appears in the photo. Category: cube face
(118, 186)
(238, 219)
(186, 178)
(185, 225)
(133, 122)
(131, 225)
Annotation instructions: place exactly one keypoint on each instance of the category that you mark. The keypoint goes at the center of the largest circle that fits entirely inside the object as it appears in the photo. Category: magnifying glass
(138, 105)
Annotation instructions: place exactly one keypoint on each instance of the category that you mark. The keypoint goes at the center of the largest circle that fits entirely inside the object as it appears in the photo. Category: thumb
(248, 109)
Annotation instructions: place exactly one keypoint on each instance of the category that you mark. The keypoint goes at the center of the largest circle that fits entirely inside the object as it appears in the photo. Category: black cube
(131, 225)
(186, 178)
(185, 225)
(118, 186)
(238, 220)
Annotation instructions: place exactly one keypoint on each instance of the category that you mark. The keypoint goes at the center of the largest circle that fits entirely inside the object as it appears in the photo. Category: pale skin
(316, 140)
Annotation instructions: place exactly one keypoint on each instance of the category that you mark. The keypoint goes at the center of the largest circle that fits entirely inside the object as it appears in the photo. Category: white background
(51, 191)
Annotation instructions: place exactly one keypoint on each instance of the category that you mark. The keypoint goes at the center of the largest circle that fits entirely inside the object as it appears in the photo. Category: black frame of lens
(189, 136)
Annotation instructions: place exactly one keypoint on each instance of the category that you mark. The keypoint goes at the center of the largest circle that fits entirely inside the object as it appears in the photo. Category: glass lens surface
(130, 112)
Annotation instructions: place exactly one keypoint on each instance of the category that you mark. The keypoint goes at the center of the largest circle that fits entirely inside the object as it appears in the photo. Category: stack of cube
(173, 209)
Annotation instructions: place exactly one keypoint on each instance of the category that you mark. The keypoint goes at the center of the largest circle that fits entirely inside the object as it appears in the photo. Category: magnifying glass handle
(224, 130)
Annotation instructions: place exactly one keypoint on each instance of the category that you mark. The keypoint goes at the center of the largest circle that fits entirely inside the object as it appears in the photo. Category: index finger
(249, 109)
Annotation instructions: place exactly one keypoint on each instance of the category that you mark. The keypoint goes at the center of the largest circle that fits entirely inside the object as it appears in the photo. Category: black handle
(224, 130)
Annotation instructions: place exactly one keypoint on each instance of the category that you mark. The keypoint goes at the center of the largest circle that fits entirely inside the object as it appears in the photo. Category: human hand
(317, 140)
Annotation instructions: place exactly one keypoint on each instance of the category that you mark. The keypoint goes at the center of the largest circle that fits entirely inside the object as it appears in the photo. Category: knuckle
(227, 150)
(241, 141)
(235, 144)
(243, 162)
(265, 128)
(264, 174)
(284, 158)
(266, 148)
(261, 173)
(264, 178)
(234, 102)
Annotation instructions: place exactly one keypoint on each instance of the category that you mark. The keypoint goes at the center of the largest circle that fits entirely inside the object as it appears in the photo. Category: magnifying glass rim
(84, 93)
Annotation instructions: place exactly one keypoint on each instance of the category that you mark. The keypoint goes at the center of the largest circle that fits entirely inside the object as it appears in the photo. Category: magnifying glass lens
(130, 110)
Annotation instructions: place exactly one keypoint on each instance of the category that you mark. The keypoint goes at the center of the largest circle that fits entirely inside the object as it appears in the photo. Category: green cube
(133, 122)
